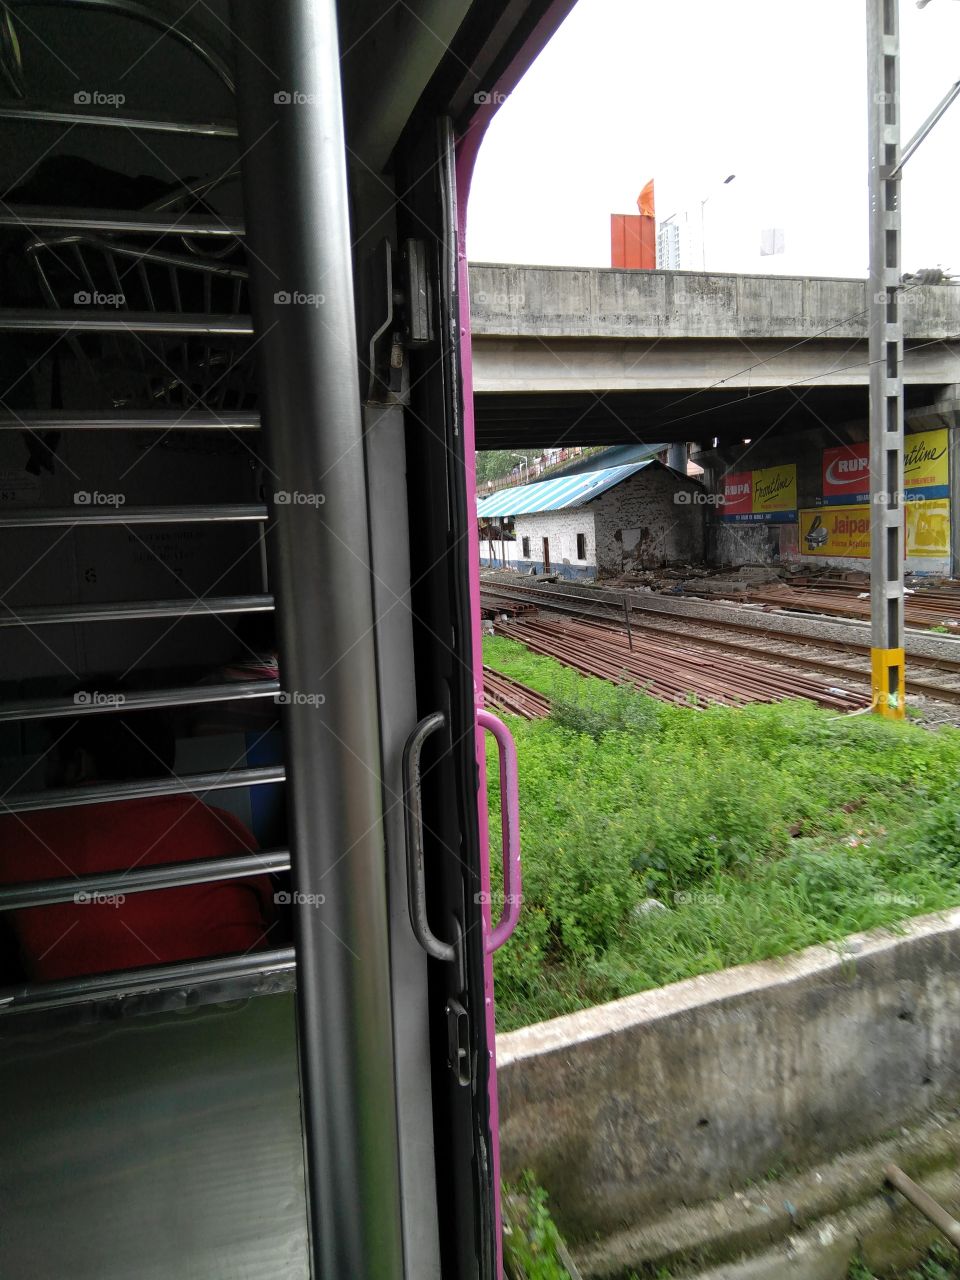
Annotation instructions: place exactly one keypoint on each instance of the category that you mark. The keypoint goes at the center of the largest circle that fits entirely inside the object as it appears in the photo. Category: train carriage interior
(206, 1075)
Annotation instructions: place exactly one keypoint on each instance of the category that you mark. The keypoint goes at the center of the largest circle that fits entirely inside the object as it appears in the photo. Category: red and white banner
(846, 473)
(737, 494)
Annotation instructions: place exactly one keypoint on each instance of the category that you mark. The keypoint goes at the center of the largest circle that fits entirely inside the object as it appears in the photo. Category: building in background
(633, 236)
(596, 523)
(678, 243)
(682, 238)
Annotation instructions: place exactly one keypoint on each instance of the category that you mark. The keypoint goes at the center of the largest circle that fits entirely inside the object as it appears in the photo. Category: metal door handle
(413, 823)
(510, 825)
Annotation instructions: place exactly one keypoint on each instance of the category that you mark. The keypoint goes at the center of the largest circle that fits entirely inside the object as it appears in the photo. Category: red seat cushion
(136, 929)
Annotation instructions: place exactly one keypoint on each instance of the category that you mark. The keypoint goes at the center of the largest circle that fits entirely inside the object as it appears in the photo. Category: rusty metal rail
(668, 624)
(670, 672)
(500, 691)
(925, 606)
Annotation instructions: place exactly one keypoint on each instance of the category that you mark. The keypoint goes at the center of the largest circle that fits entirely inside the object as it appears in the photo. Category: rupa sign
(846, 470)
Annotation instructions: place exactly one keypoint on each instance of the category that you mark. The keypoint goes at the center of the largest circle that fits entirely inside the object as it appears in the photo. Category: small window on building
(526, 548)
(581, 546)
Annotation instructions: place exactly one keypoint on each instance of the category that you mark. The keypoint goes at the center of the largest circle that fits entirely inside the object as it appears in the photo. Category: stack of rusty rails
(729, 635)
(502, 693)
(492, 607)
(669, 672)
(924, 607)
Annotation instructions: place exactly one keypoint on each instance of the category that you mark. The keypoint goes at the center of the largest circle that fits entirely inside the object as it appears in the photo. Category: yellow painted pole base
(889, 683)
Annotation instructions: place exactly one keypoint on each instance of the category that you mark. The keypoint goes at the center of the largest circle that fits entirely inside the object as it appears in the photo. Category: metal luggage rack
(121, 299)
(87, 262)
(163, 987)
(169, 986)
(171, 351)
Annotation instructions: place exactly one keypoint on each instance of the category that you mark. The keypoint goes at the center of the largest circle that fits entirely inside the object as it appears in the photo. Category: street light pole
(886, 361)
(703, 224)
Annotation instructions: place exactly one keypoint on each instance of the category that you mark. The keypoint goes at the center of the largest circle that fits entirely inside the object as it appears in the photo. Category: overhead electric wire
(757, 364)
(810, 337)
(787, 386)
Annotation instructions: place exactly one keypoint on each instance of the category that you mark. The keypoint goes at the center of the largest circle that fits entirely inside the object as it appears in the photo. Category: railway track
(500, 691)
(641, 621)
(924, 607)
(668, 671)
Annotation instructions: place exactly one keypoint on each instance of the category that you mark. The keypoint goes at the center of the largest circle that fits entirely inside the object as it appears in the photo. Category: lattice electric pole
(887, 529)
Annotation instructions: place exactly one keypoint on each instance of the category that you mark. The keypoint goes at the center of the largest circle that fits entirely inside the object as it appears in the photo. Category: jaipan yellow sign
(845, 531)
(928, 528)
(835, 531)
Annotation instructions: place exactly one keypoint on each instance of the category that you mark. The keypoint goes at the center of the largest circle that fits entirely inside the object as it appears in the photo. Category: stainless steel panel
(102, 120)
(108, 792)
(70, 517)
(36, 893)
(386, 459)
(111, 222)
(299, 238)
(42, 616)
(190, 696)
(131, 420)
(165, 1147)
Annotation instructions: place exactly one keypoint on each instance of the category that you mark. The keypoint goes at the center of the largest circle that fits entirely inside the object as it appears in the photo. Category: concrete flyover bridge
(585, 356)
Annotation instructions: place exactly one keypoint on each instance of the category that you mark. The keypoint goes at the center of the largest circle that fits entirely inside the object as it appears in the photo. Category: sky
(690, 91)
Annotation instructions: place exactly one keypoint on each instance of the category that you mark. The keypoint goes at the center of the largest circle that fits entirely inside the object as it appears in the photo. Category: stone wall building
(601, 523)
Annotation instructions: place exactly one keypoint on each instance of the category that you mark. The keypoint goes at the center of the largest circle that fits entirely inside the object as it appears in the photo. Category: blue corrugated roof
(555, 495)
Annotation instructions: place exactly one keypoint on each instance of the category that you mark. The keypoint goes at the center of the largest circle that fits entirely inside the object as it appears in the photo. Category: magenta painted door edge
(510, 820)
(467, 148)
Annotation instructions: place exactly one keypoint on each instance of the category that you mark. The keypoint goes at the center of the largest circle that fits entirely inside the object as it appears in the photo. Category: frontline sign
(768, 495)
(926, 476)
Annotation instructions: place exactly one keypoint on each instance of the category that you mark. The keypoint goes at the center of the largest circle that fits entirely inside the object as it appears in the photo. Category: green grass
(532, 1246)
(761, 830)
(940, 1264)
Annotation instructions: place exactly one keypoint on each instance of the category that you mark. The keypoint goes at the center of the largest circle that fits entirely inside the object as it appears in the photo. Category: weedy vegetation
(662, 842)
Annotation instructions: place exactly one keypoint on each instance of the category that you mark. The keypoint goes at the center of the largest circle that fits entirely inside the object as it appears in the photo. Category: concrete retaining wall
(679, 1095)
